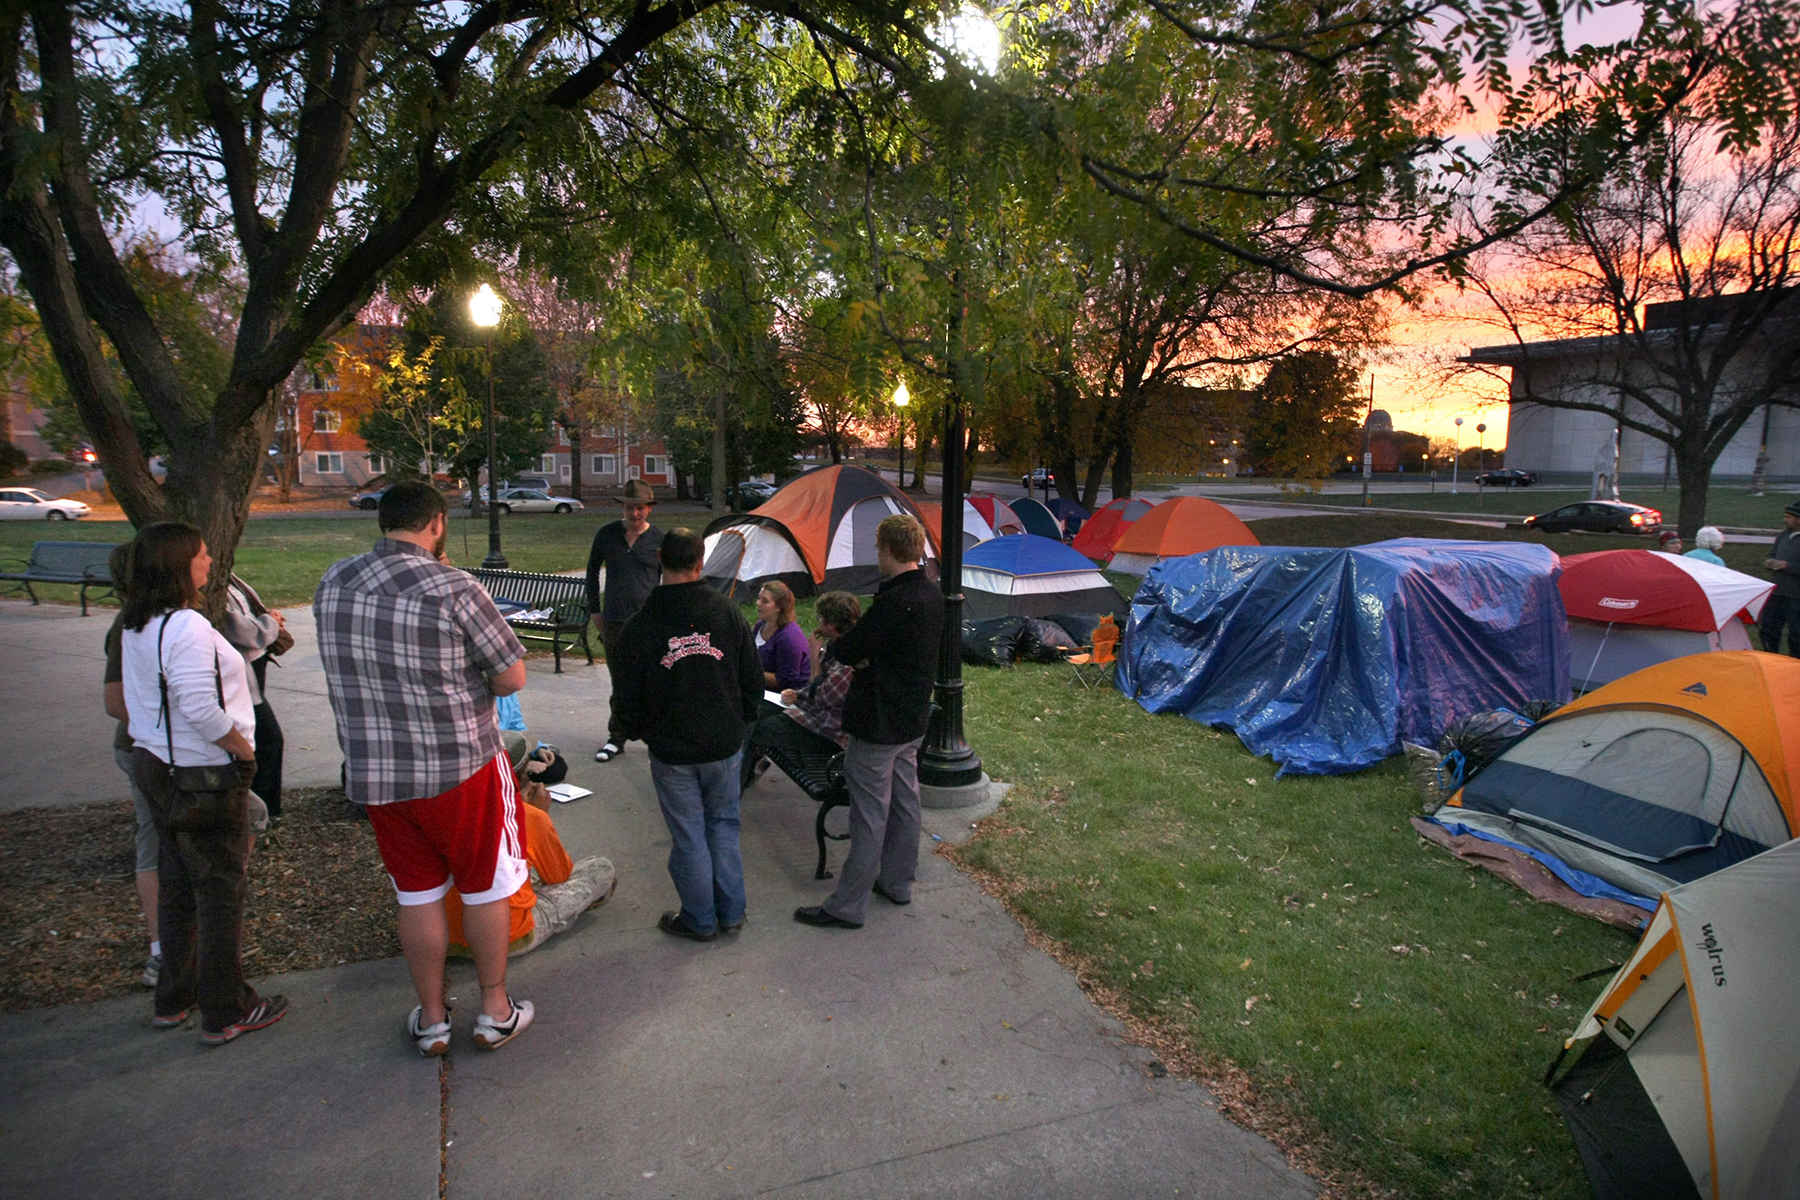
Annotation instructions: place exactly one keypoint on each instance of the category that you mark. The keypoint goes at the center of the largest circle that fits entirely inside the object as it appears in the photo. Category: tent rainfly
(1686, 1081)
(998, 514)
(816, 534)
(975, 526)
(1025, 575)
(1176, 528)
(1631, 609)
(1103, 530)
(1037, 518)
(1660, 778)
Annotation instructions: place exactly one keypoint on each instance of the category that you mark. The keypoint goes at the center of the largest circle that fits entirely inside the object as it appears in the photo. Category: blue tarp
(1327, 659)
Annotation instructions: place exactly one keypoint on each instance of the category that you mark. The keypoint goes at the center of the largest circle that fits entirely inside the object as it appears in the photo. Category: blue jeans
(700, 804)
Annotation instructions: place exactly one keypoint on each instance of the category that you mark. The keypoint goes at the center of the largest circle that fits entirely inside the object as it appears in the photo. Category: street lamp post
(1456, 456)
(1480, 461)
(902, 398)
(947, 760)
(484, 310)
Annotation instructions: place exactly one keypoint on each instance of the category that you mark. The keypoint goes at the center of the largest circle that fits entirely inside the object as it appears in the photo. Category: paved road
(932, 1053)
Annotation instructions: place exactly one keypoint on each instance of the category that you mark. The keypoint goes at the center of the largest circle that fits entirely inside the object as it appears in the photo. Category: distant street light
(484, 310)
(1480, 462)
(1456, 457)
(902, 398)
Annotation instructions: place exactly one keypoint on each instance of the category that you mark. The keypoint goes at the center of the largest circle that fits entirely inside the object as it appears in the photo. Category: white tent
(1688, 1080)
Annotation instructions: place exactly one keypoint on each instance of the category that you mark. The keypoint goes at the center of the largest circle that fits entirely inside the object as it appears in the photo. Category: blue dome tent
(1024, 575)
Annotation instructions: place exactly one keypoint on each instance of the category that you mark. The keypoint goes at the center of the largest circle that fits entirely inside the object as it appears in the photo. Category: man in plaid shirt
(813, 722)
(415, 653)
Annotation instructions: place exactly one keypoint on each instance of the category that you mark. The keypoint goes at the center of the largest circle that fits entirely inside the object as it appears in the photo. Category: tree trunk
(576, 436)
(1694, 472)
(719, 482)
(1090, 487)
(210, 482)
(927, 434)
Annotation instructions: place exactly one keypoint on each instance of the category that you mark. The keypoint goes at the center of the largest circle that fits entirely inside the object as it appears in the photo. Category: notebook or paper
(775, 698)
(562, 793)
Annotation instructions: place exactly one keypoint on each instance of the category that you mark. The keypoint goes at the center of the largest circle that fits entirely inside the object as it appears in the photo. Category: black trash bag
(1472, 743)
(1079, 626)
(1537, 710)
(993, 642)
(1045, 641)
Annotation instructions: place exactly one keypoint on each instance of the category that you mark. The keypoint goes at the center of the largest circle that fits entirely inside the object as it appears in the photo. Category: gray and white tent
(1688, 1079)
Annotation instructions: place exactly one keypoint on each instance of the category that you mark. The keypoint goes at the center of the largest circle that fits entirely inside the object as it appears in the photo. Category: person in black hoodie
(894, 651)
(688, 684)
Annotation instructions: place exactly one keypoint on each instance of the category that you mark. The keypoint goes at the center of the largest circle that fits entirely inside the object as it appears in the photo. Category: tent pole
(946, 760)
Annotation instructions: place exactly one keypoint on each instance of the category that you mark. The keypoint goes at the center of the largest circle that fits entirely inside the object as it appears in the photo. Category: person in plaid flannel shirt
(414, 654)
(810, 720)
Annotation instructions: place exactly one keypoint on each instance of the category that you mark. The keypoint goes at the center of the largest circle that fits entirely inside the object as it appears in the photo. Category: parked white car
(532, 500)
(29, 504)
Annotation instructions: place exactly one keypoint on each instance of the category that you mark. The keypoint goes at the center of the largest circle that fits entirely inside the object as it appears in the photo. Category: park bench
(545, 608)
(79, 563)
(821, 777)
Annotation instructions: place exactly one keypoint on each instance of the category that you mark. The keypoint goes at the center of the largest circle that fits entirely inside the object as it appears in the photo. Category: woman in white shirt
(206, 720)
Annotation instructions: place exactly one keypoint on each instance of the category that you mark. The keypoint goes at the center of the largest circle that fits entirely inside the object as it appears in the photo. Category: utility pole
(1368, 454)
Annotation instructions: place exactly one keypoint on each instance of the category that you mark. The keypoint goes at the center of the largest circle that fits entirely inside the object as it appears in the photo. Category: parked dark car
(1597, 516)
(1510, 477)
(749, 494)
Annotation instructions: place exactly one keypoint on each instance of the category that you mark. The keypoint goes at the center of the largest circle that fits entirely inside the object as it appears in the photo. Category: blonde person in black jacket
(689, 682)
(893, 649)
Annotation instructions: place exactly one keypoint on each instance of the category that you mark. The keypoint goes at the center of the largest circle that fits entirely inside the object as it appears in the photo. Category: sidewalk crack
(444, 1128)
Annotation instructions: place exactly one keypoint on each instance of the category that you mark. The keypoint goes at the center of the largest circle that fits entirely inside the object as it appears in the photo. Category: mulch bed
(69, 920)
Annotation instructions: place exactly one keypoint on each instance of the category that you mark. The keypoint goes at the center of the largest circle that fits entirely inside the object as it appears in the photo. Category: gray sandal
(608, 752)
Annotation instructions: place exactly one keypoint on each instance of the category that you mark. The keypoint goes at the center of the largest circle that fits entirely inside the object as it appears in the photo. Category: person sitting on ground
(813, 720)
(780, 643)
(1669, 542)
(565, 889)
(1707, 544)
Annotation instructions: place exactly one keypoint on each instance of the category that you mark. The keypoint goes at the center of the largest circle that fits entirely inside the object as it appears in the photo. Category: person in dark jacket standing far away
(627, 549)
(894, 650)
(1782, 610)
(688, 682)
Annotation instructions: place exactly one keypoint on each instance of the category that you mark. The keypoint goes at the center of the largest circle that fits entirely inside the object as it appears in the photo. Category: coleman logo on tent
(686, 647)
(1709, 946)
(1694, 689)
(1610, 602)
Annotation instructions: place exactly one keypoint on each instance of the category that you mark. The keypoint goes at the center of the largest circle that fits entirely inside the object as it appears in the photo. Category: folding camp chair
(1094, 666)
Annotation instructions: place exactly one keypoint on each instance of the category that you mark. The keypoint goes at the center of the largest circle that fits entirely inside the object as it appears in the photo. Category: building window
(562, 472)
(330, 464)
(606, 464)
(656, 464)
(375, 464)
(321, 381)
(562, 435)
(631, 472)
(546, 463)
(324, 421)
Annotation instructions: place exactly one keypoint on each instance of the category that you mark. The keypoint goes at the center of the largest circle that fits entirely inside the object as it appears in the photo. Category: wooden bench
(821, 777)
(564, 596)
(80, 563)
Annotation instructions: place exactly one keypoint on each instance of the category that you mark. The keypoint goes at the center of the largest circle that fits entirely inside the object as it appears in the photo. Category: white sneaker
(152, 971)
(491, 1034)
(433, 1041)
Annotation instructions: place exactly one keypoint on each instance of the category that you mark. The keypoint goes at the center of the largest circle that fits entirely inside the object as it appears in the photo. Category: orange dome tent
(1102, 531)
(1178, 527)
(816, 534)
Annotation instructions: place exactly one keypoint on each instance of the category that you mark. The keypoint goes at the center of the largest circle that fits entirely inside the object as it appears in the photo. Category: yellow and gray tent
(1688, 1078)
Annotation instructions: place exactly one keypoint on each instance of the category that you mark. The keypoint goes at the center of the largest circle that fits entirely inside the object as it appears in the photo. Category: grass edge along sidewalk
(1390, 1010)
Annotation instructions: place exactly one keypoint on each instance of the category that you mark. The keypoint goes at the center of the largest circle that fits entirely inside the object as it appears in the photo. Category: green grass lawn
(283, 558)
(1399, 1006)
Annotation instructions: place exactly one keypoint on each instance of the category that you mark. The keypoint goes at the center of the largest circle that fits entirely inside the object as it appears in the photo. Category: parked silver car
(532, 500)
(29, 504)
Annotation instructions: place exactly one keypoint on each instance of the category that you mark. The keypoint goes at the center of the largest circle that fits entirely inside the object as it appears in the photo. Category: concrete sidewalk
(931, 1053)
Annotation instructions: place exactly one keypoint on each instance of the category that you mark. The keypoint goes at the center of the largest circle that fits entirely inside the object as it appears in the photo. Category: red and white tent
(1630, 609)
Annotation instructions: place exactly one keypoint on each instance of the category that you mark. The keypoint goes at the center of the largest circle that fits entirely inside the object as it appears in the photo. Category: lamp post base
(968, 795)
(495, 561)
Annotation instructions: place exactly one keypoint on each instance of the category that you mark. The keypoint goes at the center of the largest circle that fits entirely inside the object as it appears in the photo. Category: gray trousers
(884, 825)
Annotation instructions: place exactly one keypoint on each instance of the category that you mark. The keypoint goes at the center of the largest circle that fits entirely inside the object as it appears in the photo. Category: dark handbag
(284, 641)
(202, 799)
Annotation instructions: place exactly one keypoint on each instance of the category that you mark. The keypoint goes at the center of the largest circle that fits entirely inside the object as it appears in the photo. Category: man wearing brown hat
(1782, 610)
(627, 548)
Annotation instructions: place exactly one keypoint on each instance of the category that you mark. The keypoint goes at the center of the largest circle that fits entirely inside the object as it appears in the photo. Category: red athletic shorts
(471, 836)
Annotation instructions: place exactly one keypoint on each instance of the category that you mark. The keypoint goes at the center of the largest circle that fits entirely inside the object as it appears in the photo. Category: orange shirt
(549, 862)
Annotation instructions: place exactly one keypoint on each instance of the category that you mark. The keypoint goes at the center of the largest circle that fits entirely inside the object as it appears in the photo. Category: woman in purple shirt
(786, 656)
